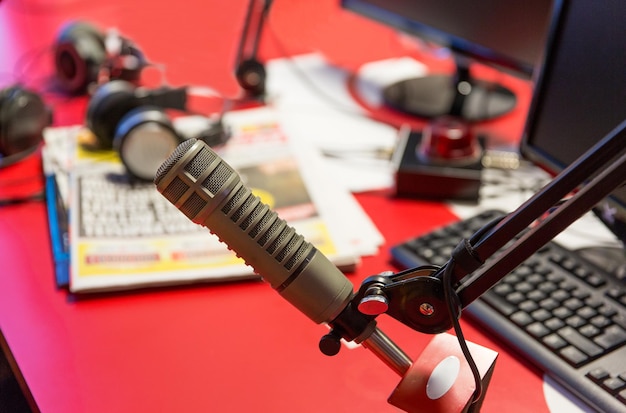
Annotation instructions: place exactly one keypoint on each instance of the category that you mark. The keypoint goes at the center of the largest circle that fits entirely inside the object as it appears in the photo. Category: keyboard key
(554, 341)
(528, 306)
(607, 310)
(554, 323)
(537, 329)
(541, 314)
(589, 331)
(524, 287)
(612, 337)
(574, 356)
(562, 312)
(560, 295)
(595, 280)
(573, 303)
(522, 318)
(613, 384)
(581, 294)
(536, 295)
(581, 342)
(587, 312)
(549, 304)
(515, 297)
(503, 289)
(598, 375)
(575, 321)
(620, 320)
(600, 321)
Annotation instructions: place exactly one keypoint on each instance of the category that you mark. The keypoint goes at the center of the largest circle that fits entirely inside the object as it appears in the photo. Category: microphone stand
(417, 297)
(249, 71)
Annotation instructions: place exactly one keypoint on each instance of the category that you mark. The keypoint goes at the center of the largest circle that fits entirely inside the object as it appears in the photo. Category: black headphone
(131, 120)
(82, 53)
(23, 117)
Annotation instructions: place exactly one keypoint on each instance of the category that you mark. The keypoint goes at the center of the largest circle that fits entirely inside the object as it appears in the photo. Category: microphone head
(173, 159)
(211, 193)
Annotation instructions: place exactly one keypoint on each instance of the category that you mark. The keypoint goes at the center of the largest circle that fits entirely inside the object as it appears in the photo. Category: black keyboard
(557, 309)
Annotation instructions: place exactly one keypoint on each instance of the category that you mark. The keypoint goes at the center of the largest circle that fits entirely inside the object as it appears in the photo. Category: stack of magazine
(109, 232)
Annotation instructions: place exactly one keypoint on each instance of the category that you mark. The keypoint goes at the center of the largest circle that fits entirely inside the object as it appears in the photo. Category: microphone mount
(416, 297)
(430, 299)
(249, 70)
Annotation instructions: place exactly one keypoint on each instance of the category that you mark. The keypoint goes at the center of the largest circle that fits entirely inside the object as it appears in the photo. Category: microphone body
(211, 193)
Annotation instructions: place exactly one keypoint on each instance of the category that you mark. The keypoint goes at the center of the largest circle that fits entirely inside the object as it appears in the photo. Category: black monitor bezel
(454, 43)
(614, 205)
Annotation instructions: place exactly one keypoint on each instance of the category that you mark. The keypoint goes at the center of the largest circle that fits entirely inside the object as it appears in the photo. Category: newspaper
(124, 234)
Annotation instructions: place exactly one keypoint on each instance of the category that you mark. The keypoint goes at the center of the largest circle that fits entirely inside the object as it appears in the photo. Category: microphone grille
(178, 153)
(255, 218)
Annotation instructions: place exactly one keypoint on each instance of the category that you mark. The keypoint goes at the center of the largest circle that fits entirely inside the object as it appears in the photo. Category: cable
(478, 235)
(37, 196)
(450, 299)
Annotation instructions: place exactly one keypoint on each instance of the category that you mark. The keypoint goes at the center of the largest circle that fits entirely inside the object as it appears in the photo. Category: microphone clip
(414, 297)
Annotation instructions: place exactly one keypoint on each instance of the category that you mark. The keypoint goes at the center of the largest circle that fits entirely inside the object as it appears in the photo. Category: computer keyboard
(557, 309)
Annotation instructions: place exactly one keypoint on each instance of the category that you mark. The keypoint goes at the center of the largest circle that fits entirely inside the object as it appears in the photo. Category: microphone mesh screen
(217, 177)
(234, 200)
(175, 190)
(302, 251)
(246, 207)
(255, 212)
(173, 159)
(200, 163)
(243, 209)
(288, 248)
(284, 234)
(193, 205)
(256, 230)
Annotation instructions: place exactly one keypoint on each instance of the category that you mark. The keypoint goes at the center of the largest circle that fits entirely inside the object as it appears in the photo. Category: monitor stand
(457, 95)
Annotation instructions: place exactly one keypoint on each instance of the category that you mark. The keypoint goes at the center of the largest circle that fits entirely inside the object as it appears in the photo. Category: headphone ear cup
(108, 105)
(132, 61)
(251, 76)
(144, 139)
(79, 52)
(23, 116)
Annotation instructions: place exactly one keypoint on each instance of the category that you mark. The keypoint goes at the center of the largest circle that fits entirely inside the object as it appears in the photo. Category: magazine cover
(124, 234)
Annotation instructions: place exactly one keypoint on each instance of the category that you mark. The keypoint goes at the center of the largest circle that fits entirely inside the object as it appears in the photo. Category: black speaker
(23, 117)
(83, 54)
(132, 121)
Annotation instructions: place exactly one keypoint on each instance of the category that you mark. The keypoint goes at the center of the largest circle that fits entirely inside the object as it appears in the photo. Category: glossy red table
(230, 347)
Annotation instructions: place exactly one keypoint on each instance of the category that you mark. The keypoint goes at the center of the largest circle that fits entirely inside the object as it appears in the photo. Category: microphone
(211, 193)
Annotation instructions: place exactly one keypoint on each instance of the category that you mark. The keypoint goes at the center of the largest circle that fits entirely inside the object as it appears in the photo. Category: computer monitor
(509, 34)
(580, 92)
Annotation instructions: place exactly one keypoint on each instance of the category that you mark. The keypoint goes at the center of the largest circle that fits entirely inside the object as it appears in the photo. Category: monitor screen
(510, 34)
(580, 93)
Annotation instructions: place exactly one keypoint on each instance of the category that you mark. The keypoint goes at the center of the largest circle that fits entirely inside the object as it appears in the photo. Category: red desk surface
(222, 347)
